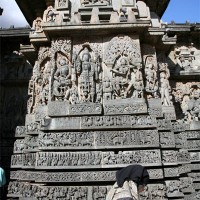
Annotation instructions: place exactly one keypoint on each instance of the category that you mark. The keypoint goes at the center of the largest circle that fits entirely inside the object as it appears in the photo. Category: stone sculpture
(103, 96)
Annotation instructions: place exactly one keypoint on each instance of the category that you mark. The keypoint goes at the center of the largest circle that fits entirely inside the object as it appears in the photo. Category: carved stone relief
(174, 188)
(86, 176)
(123, 64)
(188, 94)
(154, 191)
(186, 58)
(96, 159)
(102, 103)
(167, 139)
(98, 139)
(37, 25)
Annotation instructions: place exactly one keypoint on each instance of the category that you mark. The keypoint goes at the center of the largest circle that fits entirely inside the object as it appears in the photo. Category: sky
(178, 11)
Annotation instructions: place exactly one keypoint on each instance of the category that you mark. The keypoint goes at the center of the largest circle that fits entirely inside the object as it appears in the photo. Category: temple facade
(104, 84)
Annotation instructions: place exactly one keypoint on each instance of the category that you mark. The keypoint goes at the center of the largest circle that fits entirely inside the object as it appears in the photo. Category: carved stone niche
(174, 188)
(187, 59)
(51, 16)
(151, 72)
(37, 26)
(122, 68)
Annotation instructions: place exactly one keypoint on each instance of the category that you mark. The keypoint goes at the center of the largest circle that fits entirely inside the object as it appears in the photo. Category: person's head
(136, 173)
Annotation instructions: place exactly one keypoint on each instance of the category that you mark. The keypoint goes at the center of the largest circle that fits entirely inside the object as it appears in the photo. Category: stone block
(99, 140)
(125, 106)
(57, 109)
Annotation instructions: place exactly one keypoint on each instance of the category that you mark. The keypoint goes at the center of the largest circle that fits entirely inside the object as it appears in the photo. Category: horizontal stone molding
(125, 106)
(57, 109)
(96, 159)
(86, 176)
(35, 191)
(99, 139)
(99, 122)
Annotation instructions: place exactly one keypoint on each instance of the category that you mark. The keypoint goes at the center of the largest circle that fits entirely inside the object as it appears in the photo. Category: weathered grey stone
(155, 107)
(125, 106)
(174, 189)
(57, 109)
(87, 176)
(99, 139)
(96, 159)
(104, 100)
(169, 112)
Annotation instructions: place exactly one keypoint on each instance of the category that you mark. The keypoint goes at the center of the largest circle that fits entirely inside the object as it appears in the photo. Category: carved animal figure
(119, 140)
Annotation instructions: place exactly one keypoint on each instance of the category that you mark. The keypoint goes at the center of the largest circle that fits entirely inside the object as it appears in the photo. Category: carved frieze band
(96, 159)
(34, 191)
(99, 122)
(127, 106)
(87, 176)
(23, 160)
(99, 139)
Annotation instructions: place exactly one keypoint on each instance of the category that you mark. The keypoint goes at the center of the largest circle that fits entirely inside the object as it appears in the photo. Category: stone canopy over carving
(103, 96)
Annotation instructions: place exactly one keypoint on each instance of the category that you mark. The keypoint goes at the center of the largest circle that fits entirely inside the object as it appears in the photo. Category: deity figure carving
(165, 89)
(151, 76)
(127, 79)
(188, 94)
(136, 82)
(186, 58)
(61, 79)
(86, 70)
(37, 25)
(107, 89)
(49, 15)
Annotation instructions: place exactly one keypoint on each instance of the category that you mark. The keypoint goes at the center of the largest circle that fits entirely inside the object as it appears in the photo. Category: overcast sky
(178, 10)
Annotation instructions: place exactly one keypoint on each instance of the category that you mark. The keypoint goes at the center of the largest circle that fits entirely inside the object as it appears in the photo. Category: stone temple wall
(104, 94)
